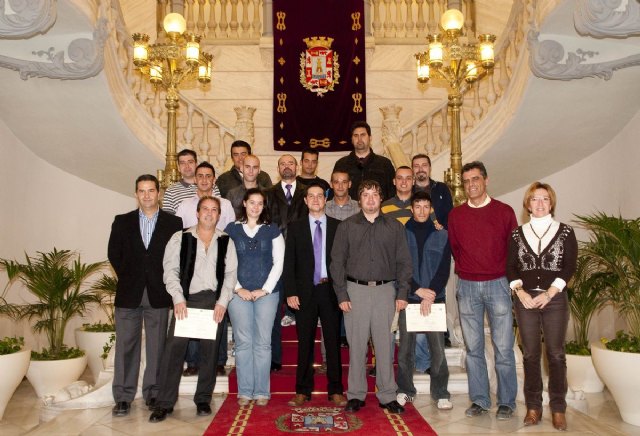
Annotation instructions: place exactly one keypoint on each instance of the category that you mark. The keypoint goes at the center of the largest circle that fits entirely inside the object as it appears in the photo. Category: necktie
(288, 195)
(317, 253)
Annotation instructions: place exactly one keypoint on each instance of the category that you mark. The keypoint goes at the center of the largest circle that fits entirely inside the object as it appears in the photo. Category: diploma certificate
(198, 324)
(436, 321)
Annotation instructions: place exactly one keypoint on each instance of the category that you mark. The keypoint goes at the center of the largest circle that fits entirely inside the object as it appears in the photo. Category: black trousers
(323, 305)
(552, 322)
(173, 358)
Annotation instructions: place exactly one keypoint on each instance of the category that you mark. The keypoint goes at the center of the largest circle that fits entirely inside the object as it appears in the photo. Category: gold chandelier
(168, 63)
(459, 63)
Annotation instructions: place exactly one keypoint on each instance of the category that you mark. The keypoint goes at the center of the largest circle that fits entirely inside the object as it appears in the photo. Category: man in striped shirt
(186, 187)
(399, 206)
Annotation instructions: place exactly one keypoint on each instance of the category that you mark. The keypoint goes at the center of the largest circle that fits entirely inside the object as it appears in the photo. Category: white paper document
(436, 321)
(198, 324)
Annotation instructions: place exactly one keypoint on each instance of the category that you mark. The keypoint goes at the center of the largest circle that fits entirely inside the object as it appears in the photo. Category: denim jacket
(433, 272)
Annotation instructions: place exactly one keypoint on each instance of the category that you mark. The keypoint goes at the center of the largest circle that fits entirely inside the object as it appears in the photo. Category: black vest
(188, 252)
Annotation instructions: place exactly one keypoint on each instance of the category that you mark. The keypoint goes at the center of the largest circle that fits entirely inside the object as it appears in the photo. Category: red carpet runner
(317, 416)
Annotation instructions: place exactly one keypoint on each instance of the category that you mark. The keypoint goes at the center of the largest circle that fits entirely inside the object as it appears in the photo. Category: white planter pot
(49, 376)
(92, 343)
(582, 375)
(14, 367)
(619, 372)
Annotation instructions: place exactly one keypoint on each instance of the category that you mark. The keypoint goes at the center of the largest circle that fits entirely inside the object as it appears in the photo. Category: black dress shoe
(150, 403)
(190, 371)
(393, 407)
(160, 414)
(475, 410)
(220, 370)
(121, 408)
(354, 405)
(343, 342)
(203, 409)
(275, 367)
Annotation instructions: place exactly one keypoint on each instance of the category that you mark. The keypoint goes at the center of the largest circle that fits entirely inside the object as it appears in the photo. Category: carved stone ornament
(29, 17)
(86, 55)
(244, 128)
(391, 128)
(546, 61)
(602, 18)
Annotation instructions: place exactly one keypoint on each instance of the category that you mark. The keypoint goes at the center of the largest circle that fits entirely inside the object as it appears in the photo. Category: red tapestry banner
(319, 73)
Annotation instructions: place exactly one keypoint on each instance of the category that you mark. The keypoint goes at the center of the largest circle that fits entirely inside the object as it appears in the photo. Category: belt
(368, 282)
(322, 281)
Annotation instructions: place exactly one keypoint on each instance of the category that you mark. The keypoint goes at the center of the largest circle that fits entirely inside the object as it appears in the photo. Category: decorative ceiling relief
(86, 57)
(82, 59)
(606, 18)
(26, 18)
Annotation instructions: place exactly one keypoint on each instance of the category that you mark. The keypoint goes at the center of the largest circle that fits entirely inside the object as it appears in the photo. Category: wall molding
(602, 18)
(547, 61)
(86, 56)
(30, 17)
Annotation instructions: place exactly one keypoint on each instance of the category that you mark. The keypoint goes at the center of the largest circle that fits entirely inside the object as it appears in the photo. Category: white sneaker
(287, 321)
(403, 399)
(444, 404)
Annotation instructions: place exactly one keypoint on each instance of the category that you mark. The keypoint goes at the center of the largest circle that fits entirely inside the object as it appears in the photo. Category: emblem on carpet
(318, 419)
(319, 416)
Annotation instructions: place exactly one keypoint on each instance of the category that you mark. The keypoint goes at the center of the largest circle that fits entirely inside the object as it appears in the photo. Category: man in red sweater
(478, 233)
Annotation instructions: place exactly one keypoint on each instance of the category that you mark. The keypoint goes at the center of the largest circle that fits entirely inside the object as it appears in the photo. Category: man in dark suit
(136, 249)
(286, 199)
(286, 204)
(309, 291)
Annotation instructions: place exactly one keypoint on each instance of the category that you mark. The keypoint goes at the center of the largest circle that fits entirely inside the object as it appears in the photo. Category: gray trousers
(129, 324)
(372, 311)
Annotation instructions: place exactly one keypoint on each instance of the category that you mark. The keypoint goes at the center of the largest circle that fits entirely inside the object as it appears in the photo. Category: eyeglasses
(543, 199)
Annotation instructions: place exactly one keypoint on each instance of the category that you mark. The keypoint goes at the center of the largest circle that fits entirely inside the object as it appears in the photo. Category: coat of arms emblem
(319, 68)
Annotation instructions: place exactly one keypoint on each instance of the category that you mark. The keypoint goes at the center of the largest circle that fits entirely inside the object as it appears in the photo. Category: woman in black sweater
(541, 260)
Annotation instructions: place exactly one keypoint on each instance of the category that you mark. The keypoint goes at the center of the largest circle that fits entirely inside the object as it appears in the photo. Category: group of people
(247, 249)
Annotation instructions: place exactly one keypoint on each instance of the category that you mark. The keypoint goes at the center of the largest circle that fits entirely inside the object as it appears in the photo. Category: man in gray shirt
(371, 270)
(341, 206)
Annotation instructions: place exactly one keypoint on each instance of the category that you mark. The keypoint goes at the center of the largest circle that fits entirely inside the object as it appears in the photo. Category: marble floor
(22, 417)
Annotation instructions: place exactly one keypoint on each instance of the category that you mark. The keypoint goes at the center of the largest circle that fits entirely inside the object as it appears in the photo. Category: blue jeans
(252, 322)
(494, 298)
(423, 355)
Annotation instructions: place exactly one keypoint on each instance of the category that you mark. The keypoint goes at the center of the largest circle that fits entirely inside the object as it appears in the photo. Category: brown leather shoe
(559, 421)
(532, 417)
(338, 399)
(298, 400)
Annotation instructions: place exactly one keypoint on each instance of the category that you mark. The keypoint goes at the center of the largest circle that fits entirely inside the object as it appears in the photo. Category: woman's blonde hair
(528, 195)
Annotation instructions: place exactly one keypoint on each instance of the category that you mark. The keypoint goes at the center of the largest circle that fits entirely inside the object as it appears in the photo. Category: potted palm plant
(586, 298)
(57, 281)
(92, 338)
(613, 250)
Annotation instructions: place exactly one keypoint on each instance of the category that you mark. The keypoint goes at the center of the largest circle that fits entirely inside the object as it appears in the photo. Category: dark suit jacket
(299, 260)
(281, 213)
(136, 266)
